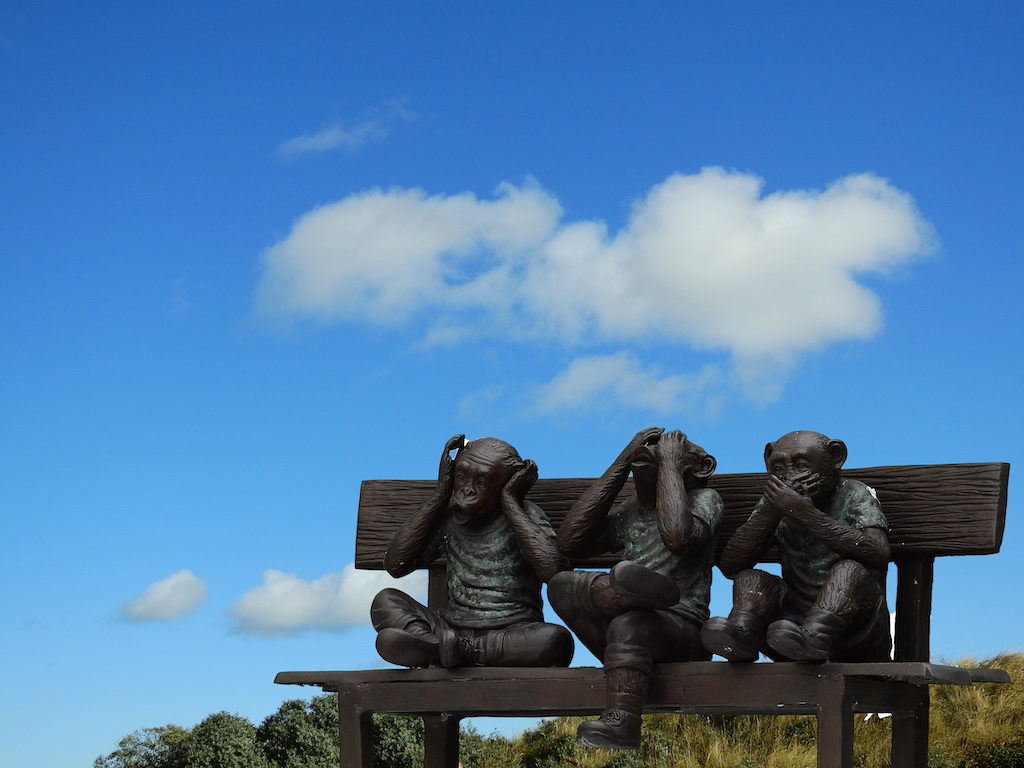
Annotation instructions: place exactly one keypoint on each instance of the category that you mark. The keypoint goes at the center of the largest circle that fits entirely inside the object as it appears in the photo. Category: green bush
(1001, 754)
(980, 726)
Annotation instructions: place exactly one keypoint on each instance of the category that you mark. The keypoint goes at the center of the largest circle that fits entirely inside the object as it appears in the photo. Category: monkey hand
(806, 483)
(640, 446)
(787, 501)
(670, 448)
(446, 468)
(521, 481)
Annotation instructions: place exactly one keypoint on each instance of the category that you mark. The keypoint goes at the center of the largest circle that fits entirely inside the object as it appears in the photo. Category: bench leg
(835, 727)
(355, 731)
(441, 741)
(910, 736)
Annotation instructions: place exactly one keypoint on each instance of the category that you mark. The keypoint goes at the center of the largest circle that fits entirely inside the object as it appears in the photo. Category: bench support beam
(441, 741)
(355, 731)
(835, 725)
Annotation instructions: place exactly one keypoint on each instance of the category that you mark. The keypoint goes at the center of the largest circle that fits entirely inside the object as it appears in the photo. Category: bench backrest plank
(933, 510)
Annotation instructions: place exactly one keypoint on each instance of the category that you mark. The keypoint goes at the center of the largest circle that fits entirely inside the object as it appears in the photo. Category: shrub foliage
(981, 726)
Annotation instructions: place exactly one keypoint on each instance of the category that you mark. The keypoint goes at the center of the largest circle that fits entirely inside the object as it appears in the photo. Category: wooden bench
(933, 511)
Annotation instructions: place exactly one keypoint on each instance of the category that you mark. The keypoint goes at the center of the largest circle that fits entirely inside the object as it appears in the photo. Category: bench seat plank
(705, 686)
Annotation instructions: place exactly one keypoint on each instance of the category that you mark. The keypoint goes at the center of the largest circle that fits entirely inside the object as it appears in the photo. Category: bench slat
(933, 510)
(704, 686)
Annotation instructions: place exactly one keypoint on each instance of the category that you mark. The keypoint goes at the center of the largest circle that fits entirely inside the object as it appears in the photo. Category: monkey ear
(706, 467)
(837, 450)
(768, 456)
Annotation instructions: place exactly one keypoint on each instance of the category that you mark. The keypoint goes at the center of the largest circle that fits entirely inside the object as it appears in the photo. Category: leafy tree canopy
(145, 748)
(223, 740)
(301, 734)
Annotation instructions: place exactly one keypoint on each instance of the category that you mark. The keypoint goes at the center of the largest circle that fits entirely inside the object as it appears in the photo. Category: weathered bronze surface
(499, 549)
(832, 542)
(933, 511)
(650, 607)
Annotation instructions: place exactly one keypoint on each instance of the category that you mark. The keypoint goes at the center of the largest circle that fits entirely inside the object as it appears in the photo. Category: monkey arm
(706, 512)
(535, 539)
(584, 530)
(530, 525)
(750, 540)
(675, 521)
(868, 546)
(409, 542)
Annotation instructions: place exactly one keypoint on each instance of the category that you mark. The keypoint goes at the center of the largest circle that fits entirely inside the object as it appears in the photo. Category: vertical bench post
(355, 735)
(440, 733)
(913, 631)
(835, 724)
(441, 741)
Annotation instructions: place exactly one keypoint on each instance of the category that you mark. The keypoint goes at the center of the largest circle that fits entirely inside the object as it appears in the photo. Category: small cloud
(620, 380)
(184, 293)
(168, 599)
(482, 401)
(285, 604)
(376, 125)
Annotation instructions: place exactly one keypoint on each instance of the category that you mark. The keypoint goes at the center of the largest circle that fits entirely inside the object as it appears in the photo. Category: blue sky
(254, 254)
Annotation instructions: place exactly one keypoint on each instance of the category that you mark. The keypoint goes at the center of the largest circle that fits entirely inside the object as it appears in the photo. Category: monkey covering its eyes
(651, 606)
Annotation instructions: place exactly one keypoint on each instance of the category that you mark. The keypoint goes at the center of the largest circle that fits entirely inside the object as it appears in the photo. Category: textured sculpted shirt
(635, 532)
(491, 584)
(806, 560)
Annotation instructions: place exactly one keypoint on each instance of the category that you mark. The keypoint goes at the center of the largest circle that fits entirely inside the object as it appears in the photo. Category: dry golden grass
(976, 726)
(966, 721)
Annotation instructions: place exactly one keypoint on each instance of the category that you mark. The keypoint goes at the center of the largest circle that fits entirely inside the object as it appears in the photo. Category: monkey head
(808, 462)
(697, 465)
(481, 470)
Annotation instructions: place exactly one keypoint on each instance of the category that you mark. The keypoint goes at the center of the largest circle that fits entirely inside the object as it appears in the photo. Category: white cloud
(620, 378)
(384, 255)
(705, 260)
(285, 604)
(376, 125)
(170, 598)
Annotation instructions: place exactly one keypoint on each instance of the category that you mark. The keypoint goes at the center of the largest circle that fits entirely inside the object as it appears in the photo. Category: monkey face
(692, 461)
(476, 489)
(645, 463)
(807, 462)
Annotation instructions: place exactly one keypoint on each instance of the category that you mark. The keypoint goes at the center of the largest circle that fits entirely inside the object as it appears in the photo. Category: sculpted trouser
(521, 644)
(629, 641)
(603, 619)
(848, 606)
